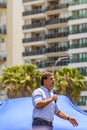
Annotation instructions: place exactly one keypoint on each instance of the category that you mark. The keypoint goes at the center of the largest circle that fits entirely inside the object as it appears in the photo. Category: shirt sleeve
(36, 97)
(57, 109)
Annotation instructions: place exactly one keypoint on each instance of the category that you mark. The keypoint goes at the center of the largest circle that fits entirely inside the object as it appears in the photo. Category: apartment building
(78, 41)
(2, 35)
(10, 33)
(55, 35)
(48, 33)
(3, 7)
(10, 36)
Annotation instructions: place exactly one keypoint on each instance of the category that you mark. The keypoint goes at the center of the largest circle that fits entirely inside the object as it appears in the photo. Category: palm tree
(21, 80)
(70, 82)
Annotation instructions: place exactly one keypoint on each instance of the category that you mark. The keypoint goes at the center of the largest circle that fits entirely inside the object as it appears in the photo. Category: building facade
(48, 33)
(10, 33)
(2, 35)
(10, 36)
(55, 35)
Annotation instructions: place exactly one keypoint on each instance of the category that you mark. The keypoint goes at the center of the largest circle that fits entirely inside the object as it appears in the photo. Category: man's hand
(54, 97)
(70, 119)
(73, 121)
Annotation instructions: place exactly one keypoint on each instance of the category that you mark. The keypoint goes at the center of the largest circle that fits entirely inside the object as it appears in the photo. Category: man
(44, 102)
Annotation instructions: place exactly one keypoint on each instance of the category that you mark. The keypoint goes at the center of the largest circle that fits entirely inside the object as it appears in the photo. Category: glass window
(80, 12)
(84, 56)
(84, 98)
(80, 27)
(86, 71)
(81, 42)
(80, 56)
(80, 100)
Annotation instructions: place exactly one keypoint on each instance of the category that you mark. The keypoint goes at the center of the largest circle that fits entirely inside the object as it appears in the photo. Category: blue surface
(16, 114)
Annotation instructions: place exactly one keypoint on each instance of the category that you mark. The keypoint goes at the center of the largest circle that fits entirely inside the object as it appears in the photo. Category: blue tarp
(16, 114)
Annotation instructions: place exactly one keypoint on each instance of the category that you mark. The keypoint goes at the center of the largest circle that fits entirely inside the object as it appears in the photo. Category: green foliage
(21, 80)
(70, 82)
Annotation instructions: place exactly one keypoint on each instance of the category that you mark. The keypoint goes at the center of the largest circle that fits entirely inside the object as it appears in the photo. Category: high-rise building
(48, 33)
(2, 35)
(10, 33)
(55, 35)
(10, 36)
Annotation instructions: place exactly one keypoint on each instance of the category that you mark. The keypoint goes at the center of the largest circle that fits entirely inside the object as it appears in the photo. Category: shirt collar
(45, 89)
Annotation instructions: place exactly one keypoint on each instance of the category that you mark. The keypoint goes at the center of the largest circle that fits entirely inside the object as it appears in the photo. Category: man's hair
(45, 75)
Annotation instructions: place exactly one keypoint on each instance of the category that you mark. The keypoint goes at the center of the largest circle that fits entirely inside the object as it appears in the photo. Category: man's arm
(64, 116)
(43, 103)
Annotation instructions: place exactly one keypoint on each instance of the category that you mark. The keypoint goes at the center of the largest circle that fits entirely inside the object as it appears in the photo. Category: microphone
(55, 91)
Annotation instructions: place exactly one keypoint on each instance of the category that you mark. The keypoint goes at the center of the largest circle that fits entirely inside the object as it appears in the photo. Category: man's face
(49, 82)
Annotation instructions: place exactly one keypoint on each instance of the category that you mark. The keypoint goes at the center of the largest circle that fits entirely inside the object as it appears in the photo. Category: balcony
(77, 16)
(33, 39)
(56, 21)
(60, 63)
(56, 35)
(34, 25)
(83, 71)
(76, 60)
(33, 11)
(24, 1)
(35, 52)
(56, 49)
(56, 7)
(83, 103)
(40, 64)
(78, 2)
(2, 59)
(33, 1)
(46, 64)
(3, 32)
(78, 45)
(75, 31)
(3, 6)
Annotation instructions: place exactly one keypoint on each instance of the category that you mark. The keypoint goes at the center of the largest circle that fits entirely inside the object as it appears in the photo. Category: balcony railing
(48, 50)
(33, 11)
(57, 35)
(51, 63)
(33, 39)
(83, 71)
(40, 64)
(3, 31)
(75, 31)
(36, 52)
(3, 5)
(77, 17)
(84, 44)
(2, 58)
(78, 60)
(60, 63)
(78, 2)
(56, 20)
(81, 103)
(34, 25)
(57, 49)
(24, 1)
(56, 7)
